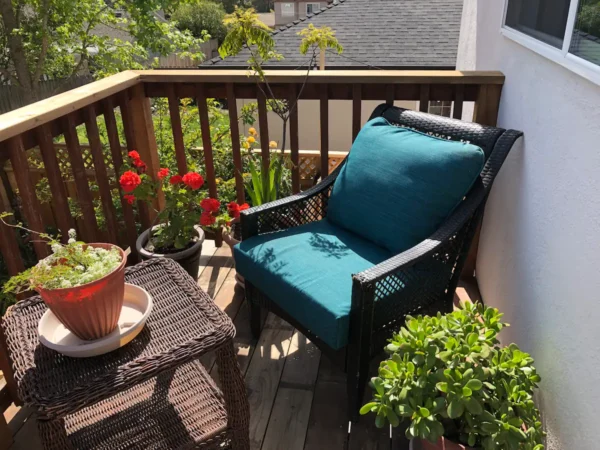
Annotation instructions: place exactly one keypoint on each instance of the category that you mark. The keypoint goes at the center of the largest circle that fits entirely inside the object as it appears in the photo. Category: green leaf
(455, 409)
(424, 412)
(466, 392)
(378, 385)
(472, 339)
(473, 406)
(368, 407)
(474, 384)
(442, 386)
(472, 440)
(380, 421)
(404, 410)
(392, 417)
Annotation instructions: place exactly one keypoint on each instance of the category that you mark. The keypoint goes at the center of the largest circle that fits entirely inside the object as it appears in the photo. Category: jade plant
(449, 376)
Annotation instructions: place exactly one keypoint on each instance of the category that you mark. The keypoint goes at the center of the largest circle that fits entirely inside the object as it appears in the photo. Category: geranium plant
(186, 204)
(70, 265)
(448, 376)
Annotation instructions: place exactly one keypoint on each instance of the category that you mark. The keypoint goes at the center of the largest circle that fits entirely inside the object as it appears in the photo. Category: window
(441, 108)
(287, 10)
(565, 31)
(312, 8)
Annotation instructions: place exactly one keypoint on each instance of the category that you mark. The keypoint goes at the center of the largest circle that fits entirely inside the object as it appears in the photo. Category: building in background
(290, 10)
(376, 35)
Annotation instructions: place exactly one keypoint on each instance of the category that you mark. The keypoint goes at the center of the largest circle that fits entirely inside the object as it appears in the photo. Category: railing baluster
(30, 203)
(207, 148)
(294, 141)
(263, 124)
(110, 212)
(177, 131)
(206, 141)
(9, 246)
(235, 143)
(60, 201)
(324, 115)
(459, 95)
(117, 157)
(487, 104)
(128, 128)
(424, 98)
(356, 109)
(84, 195)
(390, 94)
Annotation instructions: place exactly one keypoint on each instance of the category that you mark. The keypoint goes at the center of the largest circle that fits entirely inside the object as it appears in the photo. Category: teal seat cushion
(307, 271)
(398, 185)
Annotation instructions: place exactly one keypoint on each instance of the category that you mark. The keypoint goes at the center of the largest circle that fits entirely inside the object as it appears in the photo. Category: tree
(203, 16)
(60, 38)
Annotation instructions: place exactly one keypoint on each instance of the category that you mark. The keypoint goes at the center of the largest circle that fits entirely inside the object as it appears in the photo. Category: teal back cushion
(398, 185)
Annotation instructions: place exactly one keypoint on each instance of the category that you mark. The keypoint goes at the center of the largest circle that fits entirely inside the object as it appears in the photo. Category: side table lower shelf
(180, 408)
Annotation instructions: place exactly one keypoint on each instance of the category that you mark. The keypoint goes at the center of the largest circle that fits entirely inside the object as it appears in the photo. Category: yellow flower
(218, 181)
(250, 140)
(273, 144)
(246, 145)
(252, 131)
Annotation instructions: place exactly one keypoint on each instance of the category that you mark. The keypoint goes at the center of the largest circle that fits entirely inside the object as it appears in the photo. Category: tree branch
(45, 44)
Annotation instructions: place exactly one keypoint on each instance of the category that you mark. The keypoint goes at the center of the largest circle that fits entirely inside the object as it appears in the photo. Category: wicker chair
(420, 280)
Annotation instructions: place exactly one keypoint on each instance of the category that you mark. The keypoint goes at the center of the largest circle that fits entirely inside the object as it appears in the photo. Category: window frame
(293, 13)
(312, 3)
(561, 56)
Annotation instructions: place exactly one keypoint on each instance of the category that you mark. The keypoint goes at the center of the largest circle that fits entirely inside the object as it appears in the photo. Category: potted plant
(178, 230)
(82, 284)
(458, 388)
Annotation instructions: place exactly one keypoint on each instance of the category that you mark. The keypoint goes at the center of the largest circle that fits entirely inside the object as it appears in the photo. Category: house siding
(539, 251)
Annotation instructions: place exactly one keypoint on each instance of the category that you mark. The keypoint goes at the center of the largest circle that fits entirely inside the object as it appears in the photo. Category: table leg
(53, 434)
(236, 398)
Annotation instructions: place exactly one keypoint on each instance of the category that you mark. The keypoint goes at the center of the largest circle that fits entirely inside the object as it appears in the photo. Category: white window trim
(580, 66)
(292, 13)
(313, 3)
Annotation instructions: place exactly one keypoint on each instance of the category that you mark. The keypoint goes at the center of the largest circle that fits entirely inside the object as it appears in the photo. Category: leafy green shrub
(449, 377)
(202, 16)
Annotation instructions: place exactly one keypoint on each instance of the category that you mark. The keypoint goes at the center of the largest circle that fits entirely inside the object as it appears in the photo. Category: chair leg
(356, 382)
(255, 319)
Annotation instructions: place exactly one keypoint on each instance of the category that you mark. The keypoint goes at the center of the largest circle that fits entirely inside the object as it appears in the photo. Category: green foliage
(70, 265)
(203, 16)
(60, 38)
(321, 38)
(449, 377)
(588, 19)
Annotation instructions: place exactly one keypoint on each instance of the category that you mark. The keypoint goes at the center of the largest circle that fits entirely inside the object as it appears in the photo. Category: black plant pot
(189, 258)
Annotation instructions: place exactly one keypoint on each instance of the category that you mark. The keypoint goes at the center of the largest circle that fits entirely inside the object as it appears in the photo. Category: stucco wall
(539, 254)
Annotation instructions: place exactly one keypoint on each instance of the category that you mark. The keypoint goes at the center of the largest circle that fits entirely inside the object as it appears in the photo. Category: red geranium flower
(210, 205)
(137, 162)
(244, 206)
(134, 155)
(207, 218)
(129, 181)
(163, 173)
(233, 209)
(175, 179)
(193, 180)
(130, 198)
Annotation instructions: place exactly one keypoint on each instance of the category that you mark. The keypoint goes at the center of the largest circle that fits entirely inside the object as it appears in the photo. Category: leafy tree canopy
(203, 16)
(60, 38)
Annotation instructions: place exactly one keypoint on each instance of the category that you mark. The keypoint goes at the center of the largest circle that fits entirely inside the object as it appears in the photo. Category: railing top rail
(44, 111)
(327, 76)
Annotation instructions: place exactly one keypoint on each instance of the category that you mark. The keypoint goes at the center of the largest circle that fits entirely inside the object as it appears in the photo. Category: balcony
(297, 398)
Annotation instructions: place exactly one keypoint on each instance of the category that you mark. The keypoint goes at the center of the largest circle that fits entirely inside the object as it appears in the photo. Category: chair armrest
(299, 209)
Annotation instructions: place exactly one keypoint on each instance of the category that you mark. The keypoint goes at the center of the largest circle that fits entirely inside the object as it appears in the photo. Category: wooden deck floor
(297, 398)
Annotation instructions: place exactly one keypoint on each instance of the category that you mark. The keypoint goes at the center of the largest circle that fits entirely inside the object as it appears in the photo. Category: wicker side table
(153, 393)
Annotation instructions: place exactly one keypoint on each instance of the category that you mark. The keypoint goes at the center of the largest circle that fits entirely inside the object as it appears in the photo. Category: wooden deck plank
(216, 271)
(328, 424)
(264, 373)
(291, 412)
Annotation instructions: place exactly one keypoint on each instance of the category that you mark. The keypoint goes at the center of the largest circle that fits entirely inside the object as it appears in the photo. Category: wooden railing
(38, 125)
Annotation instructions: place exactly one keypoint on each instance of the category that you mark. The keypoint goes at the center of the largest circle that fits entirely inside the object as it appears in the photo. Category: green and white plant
(70, 265)
(448, 376)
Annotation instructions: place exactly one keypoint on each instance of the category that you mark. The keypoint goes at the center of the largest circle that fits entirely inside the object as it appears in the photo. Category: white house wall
(539, 254)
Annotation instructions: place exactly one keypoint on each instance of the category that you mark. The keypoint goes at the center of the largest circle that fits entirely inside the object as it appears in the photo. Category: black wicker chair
(428, 273)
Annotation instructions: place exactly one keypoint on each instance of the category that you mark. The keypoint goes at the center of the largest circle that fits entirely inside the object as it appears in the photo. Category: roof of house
(391, 34)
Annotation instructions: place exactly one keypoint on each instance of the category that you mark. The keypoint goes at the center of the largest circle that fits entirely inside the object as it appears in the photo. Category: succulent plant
(449, 376)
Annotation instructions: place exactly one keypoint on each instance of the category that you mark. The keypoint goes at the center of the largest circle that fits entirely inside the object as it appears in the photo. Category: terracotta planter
(189, 258)
(92, 310)
(441, 444)
(231, 241)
